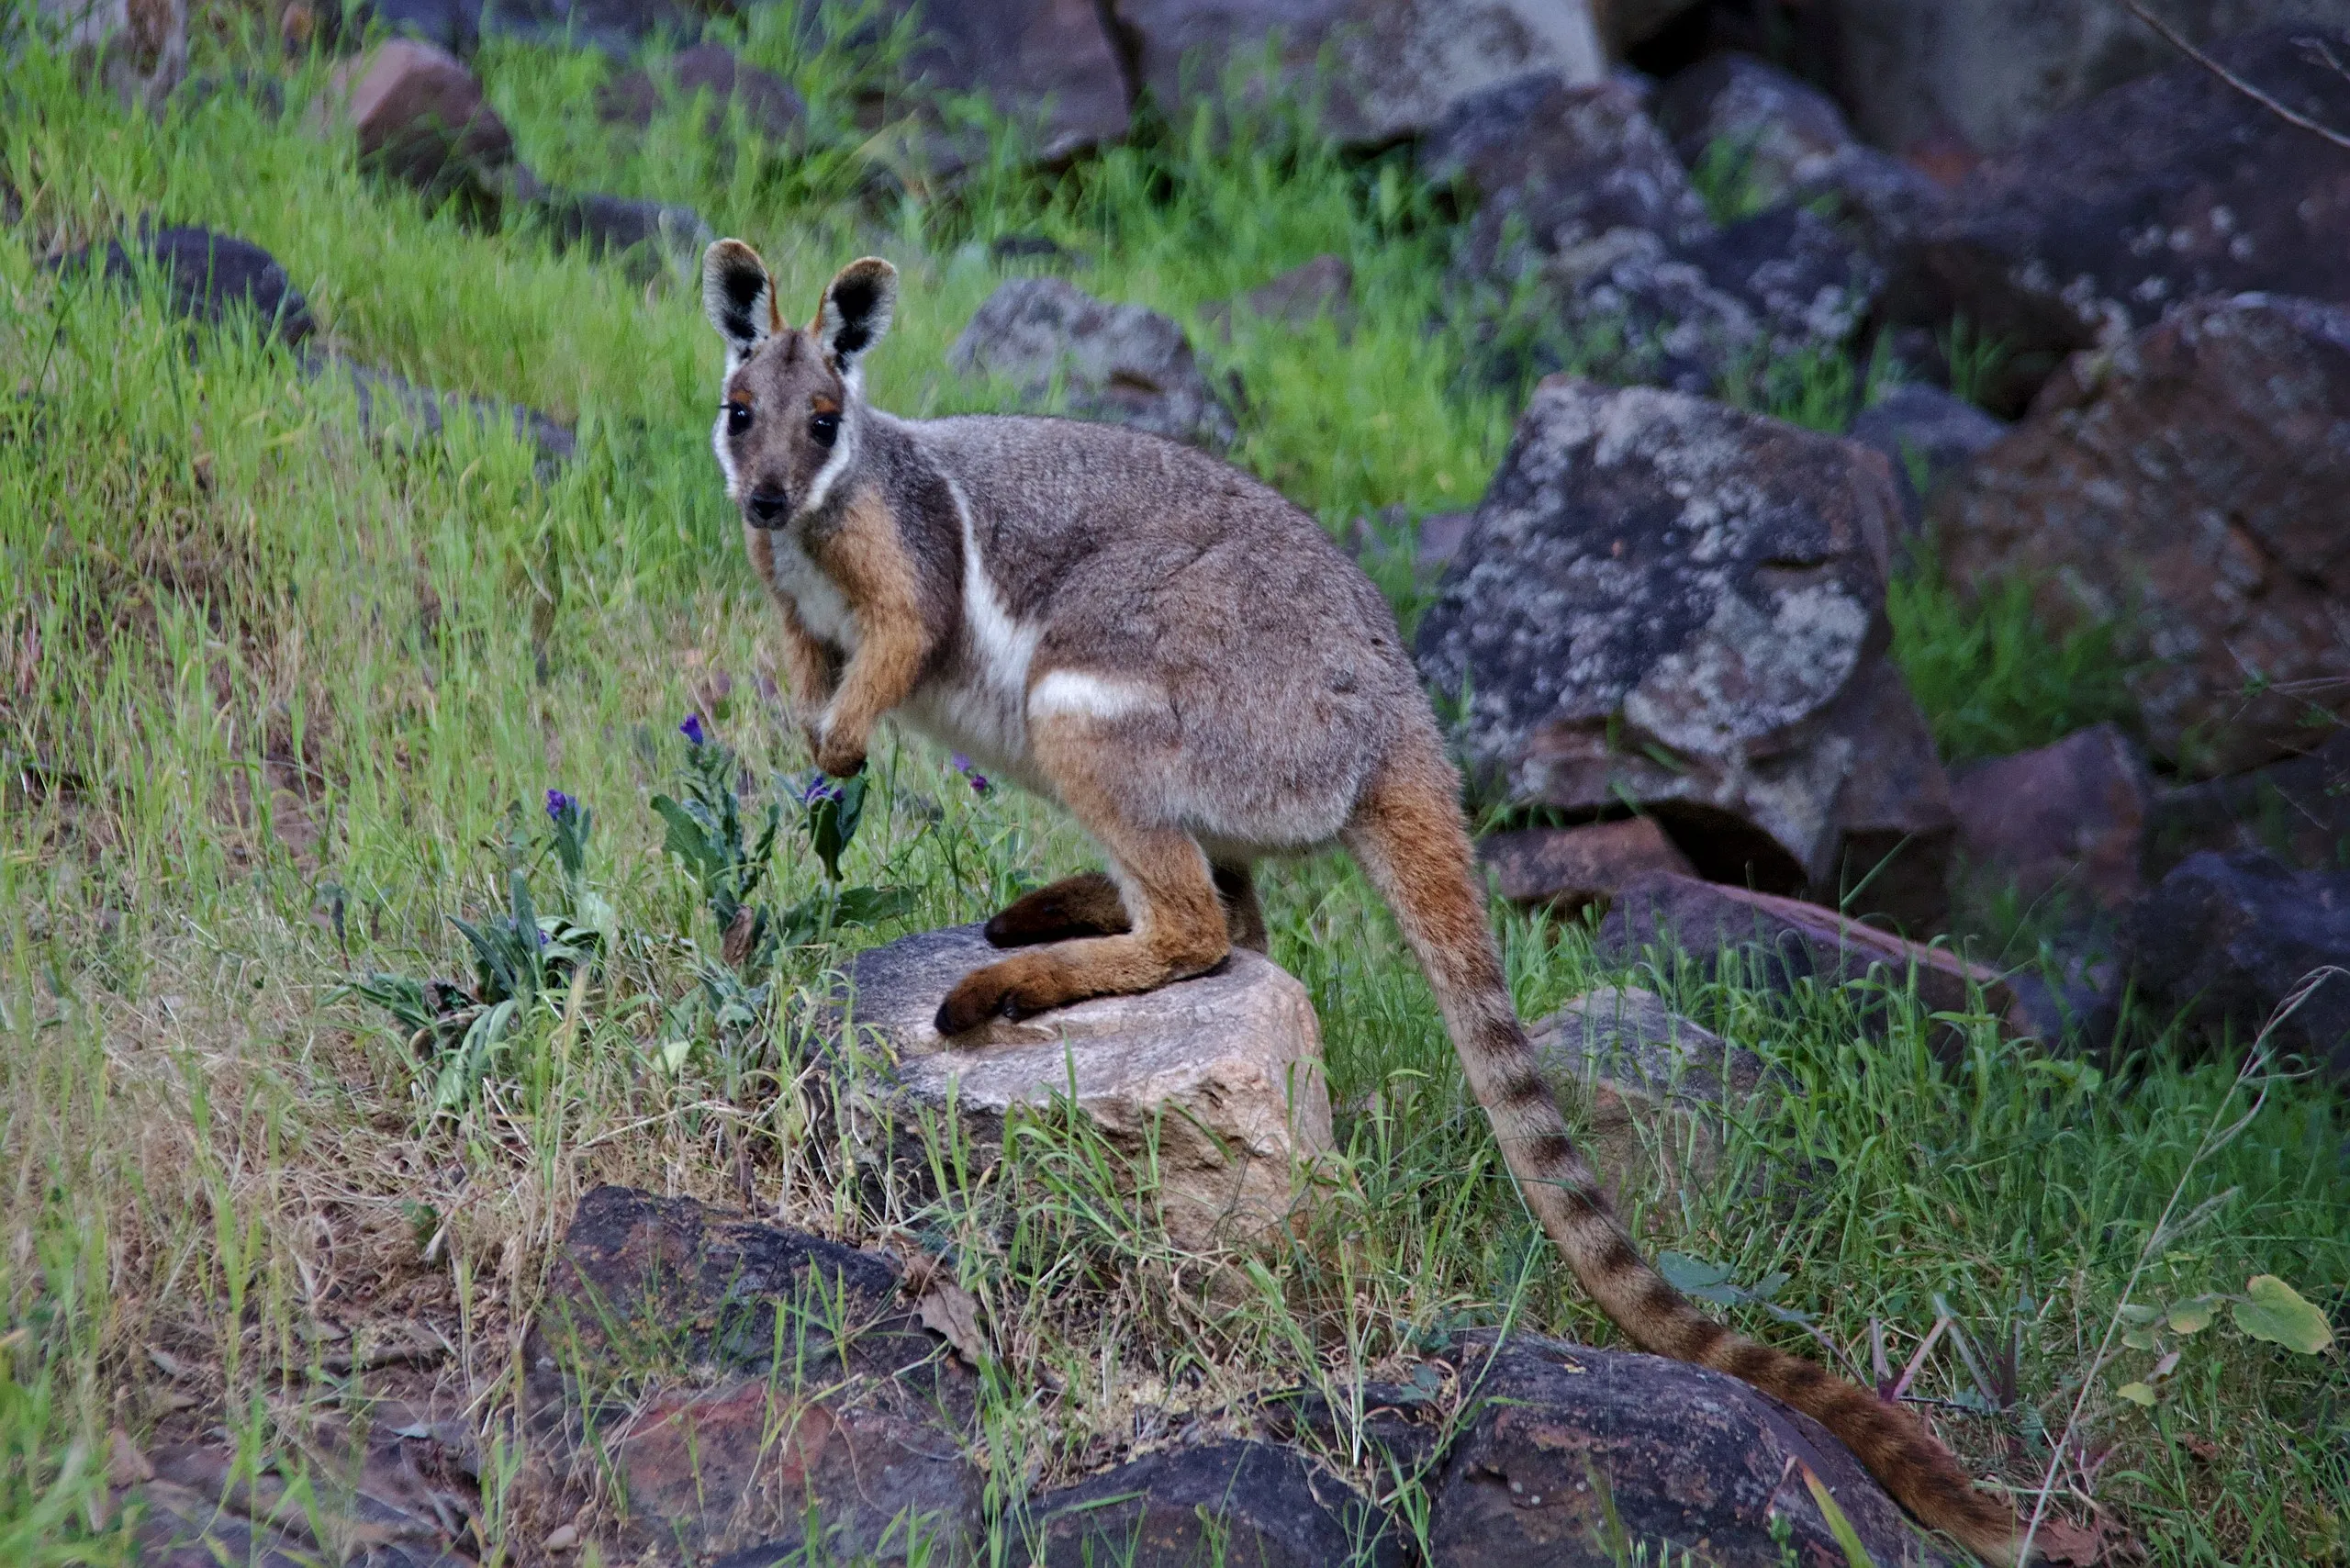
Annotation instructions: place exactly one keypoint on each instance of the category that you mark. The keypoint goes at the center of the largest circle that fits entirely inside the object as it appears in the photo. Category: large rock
(2067, 820)
(1573, 1454)
(766, 100)
(2226, 938)
(1668, 602)
(420, 117)
(1119, 363)
(2156, 193)
(1241, 1502)
(1045, 64)
(820, 1418)
(1654, 1086)
(390, 406)
(210, 276)
(1991, 72)
(1569, 869)
(2187, 489)
(1223, 1074)
(1778, 941)
(1395, 67)
(643, 231)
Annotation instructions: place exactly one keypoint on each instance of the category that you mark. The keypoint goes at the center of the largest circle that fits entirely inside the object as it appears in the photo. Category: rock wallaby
(1186, 662)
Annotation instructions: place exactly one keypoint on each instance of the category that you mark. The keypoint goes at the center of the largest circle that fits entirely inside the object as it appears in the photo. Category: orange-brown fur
(865, 558)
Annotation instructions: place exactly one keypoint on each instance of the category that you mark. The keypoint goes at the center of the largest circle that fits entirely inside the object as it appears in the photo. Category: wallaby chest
(784, 561)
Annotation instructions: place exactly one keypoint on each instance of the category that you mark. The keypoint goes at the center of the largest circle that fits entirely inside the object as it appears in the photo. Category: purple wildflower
(691, 729)
(977, 780)
(818, 787)
(560, 805)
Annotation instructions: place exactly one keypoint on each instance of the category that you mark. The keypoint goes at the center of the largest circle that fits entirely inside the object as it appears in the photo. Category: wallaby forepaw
(1014, 989)
(842, 759)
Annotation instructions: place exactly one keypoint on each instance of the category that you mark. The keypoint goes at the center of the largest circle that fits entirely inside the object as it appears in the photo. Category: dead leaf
(2077, 1546)
(126, 1466)
(953, 1313)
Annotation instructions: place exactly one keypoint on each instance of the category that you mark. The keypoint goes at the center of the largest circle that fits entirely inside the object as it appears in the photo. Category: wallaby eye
(825, 428)
(738, 418)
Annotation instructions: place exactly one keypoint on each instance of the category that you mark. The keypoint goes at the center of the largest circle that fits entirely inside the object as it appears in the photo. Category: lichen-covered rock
(1666, 601)
(2150, 195)
(1220, 1075)
(1117, 362)
(2186, 490)
(1572, 1448)
(1393, 67)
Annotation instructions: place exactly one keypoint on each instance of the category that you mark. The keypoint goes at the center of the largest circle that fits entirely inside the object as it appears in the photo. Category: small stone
(1224, 1071)
(420, 117)
(1248, 1503)
(1570, 869)
(211, 275)
(1322, 288)
(562, 1539)
(1117, 362)
(1927, 435)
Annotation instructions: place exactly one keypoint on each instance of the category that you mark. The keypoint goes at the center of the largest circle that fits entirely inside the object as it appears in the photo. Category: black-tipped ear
(856, 311)
(739, 296)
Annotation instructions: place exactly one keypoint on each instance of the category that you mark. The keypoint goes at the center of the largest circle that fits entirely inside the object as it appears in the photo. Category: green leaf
(2272, 1310)
(2138, 1394)
(2193, 1316)
(2139, 1313)
(1695, 1277)
(688, 837)
(2140, 1339)
(870, 906)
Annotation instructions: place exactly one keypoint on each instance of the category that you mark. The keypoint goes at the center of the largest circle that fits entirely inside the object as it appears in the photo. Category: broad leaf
(2273, 1311)
(2138, 1394)
(2193, 1316)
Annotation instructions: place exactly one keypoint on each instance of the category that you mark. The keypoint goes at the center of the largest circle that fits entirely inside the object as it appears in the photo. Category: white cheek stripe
(844, 455)
(1078, 692)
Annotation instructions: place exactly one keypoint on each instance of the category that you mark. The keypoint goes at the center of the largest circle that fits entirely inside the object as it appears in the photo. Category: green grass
(277, 702)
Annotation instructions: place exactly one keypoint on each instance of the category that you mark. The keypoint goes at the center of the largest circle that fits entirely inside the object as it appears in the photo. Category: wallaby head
(793, 398)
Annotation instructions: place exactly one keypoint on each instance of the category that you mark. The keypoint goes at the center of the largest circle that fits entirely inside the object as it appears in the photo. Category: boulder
(1776, 941)
(1119, 363)
(1570, 869)
(1394, 67)
(1567, 181)
(1046, 64)
(766, 100)
(2225, 939)
(1242, 1503)
(1776, 131)
(419, 118)
(2298, 810)
(821, 1419)
(1668, 603)
(1989, 73)
(2067, 820)
(2186, 490)
(452, 25)
(1573, 1455)
(209, 275)
(1879, 201)
(2158, 193)
(1927, 434)
(1221, 1074)
(1653, 1085)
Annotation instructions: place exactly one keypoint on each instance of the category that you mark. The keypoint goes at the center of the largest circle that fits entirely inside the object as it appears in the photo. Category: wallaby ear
(739, 297)
(856, 310)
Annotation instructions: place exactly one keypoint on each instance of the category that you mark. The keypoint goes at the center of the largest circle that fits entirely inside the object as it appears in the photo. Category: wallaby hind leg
(1084, 905)
(1163, 878)
(1088, 905)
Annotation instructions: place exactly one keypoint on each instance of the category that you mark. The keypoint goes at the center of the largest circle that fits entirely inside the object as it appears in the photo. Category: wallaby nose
(769, 509)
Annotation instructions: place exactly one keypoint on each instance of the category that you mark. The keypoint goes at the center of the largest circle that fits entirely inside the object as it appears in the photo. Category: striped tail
(1407, 834)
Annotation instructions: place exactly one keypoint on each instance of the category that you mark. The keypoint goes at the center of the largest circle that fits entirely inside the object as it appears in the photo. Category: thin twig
(2171, 36)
